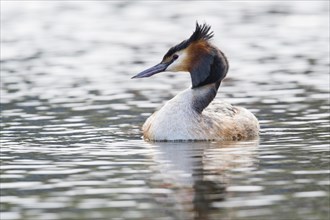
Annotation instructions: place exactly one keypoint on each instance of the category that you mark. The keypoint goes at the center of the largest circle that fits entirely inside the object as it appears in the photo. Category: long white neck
(195, 99)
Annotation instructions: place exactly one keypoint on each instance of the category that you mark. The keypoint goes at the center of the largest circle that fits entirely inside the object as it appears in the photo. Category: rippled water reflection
(71, 145)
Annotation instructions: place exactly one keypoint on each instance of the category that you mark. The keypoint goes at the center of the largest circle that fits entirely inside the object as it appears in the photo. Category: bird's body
(178, 121)
(190, 115)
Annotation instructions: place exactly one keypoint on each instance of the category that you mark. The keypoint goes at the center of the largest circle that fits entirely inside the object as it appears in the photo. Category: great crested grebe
(189, 115)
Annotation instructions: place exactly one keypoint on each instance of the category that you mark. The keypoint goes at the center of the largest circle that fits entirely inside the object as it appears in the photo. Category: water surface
(71, 144)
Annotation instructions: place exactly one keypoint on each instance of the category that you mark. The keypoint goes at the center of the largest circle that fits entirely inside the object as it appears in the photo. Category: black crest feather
(202, 32)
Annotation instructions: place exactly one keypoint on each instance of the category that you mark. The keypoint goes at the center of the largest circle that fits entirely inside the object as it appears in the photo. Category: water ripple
(71, 144)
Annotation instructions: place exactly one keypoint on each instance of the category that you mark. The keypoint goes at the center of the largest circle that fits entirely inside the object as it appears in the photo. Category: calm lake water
(71, 145)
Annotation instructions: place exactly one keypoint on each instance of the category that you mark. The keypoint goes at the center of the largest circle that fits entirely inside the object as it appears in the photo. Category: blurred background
(71, 144)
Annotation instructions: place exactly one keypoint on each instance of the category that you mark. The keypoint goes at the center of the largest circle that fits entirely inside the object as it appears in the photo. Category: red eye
(175, 56)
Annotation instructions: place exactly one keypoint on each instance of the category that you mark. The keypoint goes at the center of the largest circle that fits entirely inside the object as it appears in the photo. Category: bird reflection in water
(199, 172)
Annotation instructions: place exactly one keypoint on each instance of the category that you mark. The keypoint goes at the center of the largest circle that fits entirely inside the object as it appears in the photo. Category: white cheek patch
(178, 62)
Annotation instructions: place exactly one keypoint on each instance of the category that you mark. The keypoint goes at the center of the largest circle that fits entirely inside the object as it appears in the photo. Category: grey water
(71, 145)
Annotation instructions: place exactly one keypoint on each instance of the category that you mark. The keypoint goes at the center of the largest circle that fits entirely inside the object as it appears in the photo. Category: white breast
(174, 120)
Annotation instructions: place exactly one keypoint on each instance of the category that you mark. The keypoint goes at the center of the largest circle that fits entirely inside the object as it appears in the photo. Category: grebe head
(196, 55)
